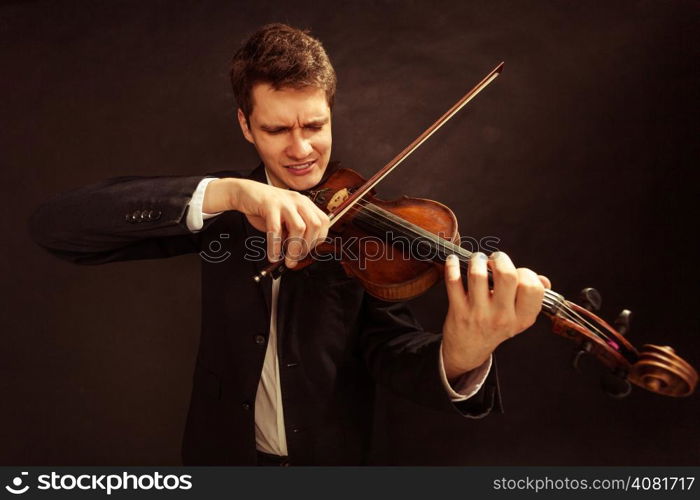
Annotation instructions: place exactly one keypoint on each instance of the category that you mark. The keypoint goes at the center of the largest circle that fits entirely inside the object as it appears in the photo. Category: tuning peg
(616, 385)
(590, 299)
(622, 323)
(579, 354)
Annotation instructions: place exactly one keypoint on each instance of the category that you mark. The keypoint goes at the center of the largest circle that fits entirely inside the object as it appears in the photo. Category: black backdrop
(578, 158)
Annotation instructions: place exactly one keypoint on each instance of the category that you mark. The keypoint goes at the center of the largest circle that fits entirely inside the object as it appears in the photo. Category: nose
(299, 148)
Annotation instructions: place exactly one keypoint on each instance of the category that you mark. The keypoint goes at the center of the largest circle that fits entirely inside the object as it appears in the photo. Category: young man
(286, 369)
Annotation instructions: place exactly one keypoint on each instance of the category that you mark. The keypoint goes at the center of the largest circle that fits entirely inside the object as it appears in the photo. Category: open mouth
(301, 168)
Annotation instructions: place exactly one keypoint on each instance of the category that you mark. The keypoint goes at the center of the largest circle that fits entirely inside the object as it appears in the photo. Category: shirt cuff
(195, 216)
(468, 384)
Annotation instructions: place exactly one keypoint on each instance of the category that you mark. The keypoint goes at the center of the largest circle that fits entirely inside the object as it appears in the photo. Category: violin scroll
(656, 369)
(659, 369)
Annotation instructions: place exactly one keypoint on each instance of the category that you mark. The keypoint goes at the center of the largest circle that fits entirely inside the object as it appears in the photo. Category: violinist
(286, 368)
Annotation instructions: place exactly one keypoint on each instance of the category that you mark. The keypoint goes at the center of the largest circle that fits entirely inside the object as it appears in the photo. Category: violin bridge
(337, 199)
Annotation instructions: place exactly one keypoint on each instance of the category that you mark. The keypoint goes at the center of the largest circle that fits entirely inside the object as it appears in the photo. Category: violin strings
(379, 220)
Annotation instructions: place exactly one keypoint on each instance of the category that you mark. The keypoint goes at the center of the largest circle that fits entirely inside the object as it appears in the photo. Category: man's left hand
(479, 320)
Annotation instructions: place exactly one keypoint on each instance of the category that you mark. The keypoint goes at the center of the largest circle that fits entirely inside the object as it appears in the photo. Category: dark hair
(281, 56)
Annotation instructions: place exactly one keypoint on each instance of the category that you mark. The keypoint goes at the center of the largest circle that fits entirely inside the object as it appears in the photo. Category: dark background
(579, 158)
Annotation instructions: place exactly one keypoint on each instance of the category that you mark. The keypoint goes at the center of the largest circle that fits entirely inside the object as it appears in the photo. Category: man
(286, 369)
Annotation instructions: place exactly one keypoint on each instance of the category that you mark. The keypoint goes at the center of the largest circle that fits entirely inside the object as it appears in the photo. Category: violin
(397, 250)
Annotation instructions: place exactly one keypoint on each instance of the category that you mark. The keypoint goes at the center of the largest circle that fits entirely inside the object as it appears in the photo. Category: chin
(301, 184)
(305, 182)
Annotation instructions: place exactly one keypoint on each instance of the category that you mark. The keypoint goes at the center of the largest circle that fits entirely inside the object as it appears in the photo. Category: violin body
(383, 260)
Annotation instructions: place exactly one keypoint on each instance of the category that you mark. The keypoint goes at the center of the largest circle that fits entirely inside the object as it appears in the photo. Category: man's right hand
(284, 215)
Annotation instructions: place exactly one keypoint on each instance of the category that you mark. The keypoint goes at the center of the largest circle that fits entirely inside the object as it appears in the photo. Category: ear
(244, 126)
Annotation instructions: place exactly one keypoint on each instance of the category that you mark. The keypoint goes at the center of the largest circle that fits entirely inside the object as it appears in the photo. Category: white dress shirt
(270, 435)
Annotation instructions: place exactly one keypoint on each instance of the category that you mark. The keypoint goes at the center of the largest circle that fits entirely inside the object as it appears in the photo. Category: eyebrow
(318, 122)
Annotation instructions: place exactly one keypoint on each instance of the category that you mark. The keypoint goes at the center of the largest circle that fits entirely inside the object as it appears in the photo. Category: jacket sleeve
(121, 218)
(405, 359)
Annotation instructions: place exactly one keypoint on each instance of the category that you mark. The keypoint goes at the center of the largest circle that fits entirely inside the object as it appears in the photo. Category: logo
(109, 483)
(17, 482)
(215, 254)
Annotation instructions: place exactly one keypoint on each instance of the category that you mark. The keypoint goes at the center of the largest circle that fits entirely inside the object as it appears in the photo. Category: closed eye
(275, 131)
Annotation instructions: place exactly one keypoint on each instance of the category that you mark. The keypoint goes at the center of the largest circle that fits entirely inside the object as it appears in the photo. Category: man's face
(291, 130)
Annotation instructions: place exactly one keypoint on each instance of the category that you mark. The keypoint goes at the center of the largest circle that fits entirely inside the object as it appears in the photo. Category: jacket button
(149, 215)
(246, 406)
(157, 214)
(260, 339)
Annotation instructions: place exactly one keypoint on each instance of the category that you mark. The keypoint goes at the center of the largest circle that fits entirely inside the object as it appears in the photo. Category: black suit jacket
(335, 341)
